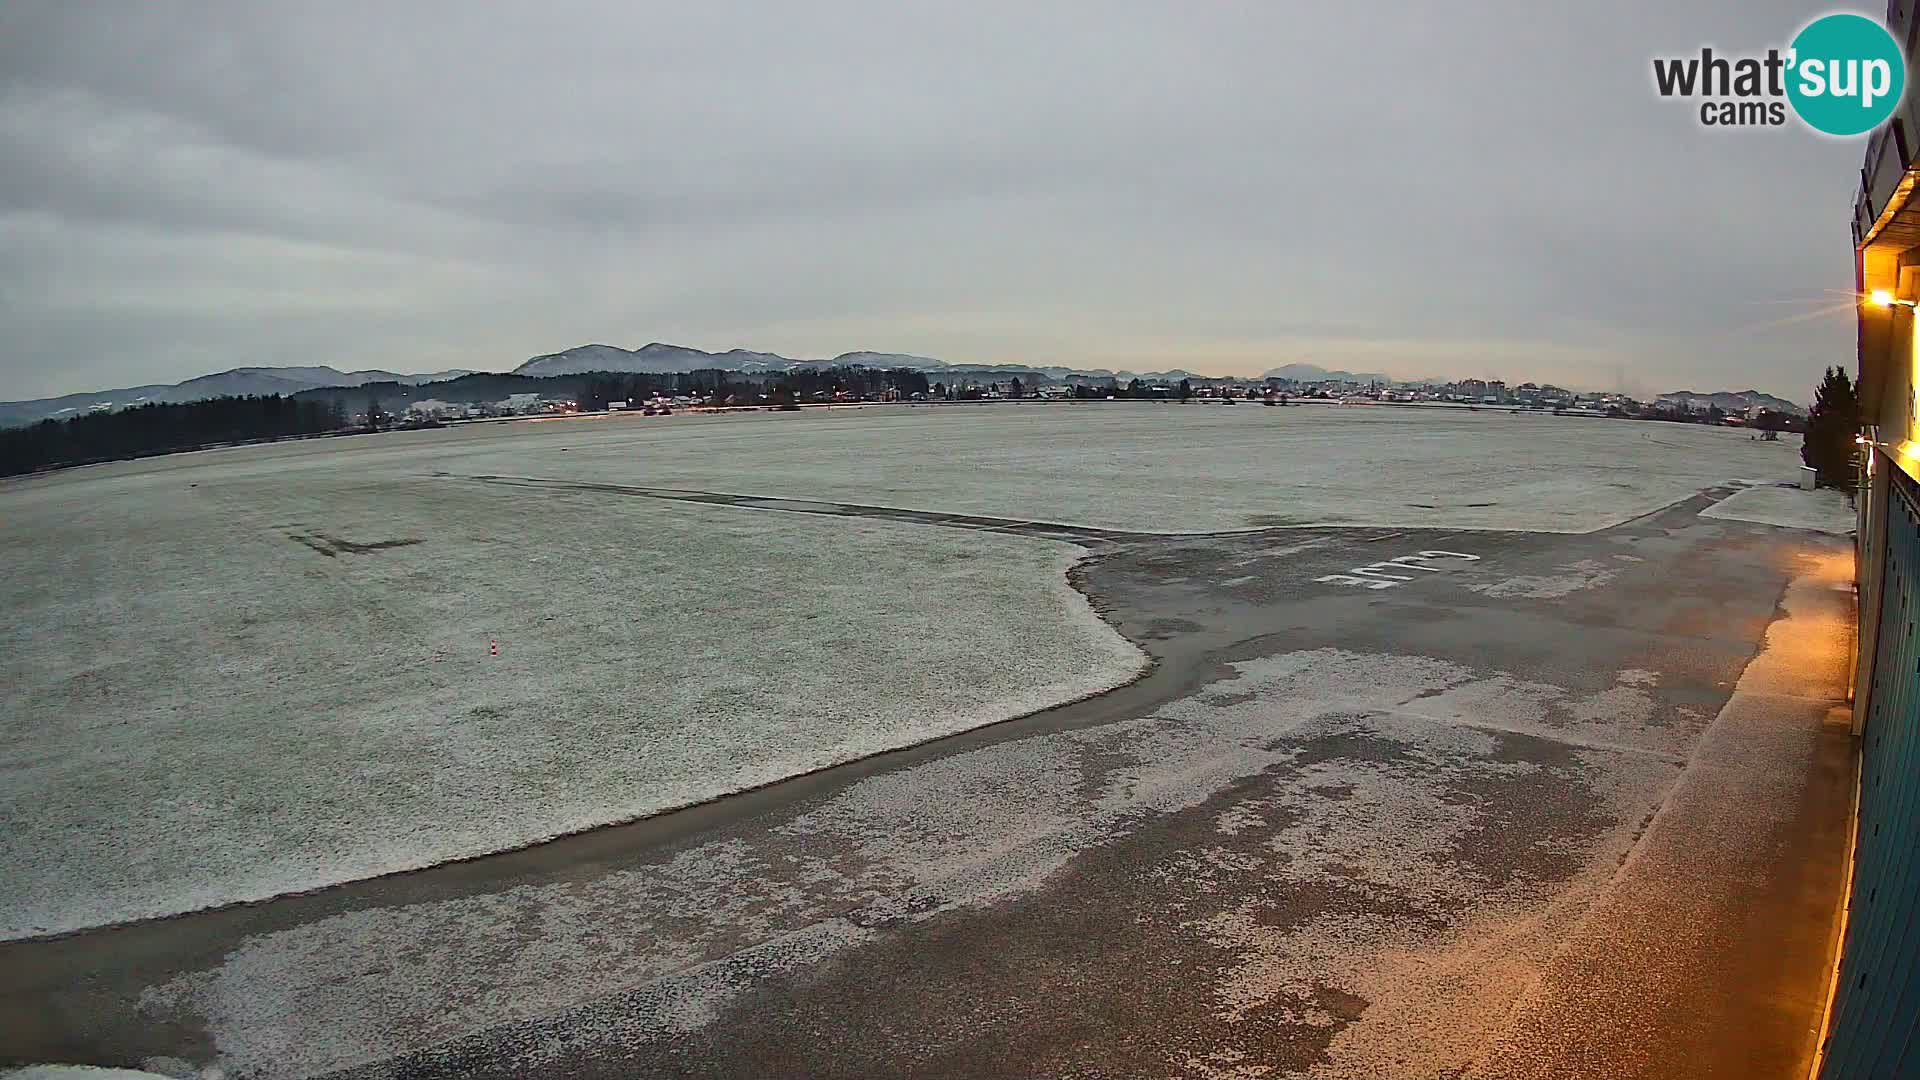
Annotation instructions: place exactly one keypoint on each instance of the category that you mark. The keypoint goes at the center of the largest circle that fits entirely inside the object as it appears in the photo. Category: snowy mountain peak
(1731, 400)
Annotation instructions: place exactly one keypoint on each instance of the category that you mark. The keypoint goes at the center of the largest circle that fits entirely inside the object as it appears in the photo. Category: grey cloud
(1464, 189)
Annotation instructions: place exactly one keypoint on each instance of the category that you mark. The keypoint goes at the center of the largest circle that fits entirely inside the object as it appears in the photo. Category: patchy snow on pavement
(1368, 763)
(1571, 578)
(1744, 790)
(1822, 510)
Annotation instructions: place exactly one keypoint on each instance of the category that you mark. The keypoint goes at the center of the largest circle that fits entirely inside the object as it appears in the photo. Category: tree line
(750, 388)
(161, 428)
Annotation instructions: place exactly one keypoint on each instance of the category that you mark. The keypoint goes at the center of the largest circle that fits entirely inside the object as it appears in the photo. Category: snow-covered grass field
(1192, 468)
(234, 674)
(1142, 466)
(223, 688)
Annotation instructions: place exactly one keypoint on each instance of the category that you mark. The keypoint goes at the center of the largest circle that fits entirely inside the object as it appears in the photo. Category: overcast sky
(1420, 189)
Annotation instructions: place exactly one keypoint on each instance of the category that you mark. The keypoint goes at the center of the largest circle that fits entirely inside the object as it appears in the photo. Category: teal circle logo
(1846, 74)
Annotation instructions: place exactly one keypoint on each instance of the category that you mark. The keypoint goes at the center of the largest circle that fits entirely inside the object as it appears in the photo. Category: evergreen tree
(1832, 425)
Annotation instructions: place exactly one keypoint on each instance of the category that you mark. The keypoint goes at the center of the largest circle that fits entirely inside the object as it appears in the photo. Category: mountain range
(661, 357)
(1731, 401)
(238, 382)
(1316, 373)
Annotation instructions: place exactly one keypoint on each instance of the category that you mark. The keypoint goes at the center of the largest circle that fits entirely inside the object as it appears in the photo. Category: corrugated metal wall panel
(1877, 1009)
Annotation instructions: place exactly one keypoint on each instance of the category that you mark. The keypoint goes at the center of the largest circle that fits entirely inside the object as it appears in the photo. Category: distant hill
(655, 356)
(1316, 373)
(1060, 374)
(238, 382)
(664, 359)
(885, 360)
(471, 388)
(660, 358)
(1731, 401)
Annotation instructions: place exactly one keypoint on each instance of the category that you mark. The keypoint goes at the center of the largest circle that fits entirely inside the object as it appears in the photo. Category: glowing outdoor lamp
(1885, 298)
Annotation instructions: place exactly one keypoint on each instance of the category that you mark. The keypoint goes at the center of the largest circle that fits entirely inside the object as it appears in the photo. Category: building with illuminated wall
(1874, 1028)
(1886, 230)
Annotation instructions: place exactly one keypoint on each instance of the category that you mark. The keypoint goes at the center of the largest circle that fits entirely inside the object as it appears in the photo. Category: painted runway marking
(1391, 572)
